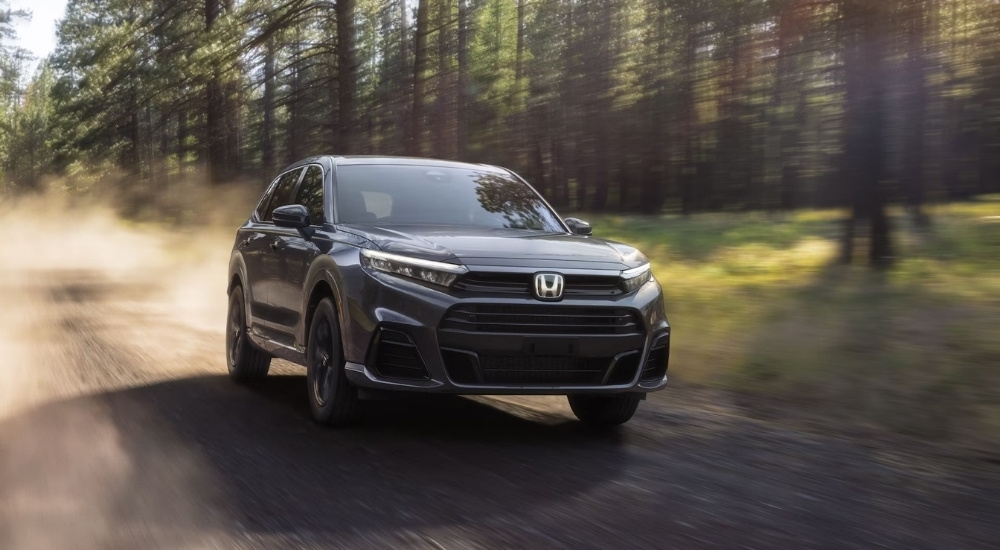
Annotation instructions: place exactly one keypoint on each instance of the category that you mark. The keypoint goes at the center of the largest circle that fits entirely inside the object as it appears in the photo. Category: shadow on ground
(204, 454)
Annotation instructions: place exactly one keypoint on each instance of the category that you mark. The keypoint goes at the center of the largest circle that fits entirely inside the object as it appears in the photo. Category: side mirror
(294, 216)
(576, 226)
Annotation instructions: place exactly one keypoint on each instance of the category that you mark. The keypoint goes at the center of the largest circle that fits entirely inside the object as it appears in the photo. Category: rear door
(296, 252)
(270, 265)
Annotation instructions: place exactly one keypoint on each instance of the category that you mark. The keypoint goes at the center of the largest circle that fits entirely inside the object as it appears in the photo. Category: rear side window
(282, 193)
(311, 194)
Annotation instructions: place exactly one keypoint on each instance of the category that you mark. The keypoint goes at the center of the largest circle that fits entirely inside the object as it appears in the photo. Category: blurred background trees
(604, 105)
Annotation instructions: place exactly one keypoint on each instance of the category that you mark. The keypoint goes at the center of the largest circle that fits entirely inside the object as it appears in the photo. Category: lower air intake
(396, 356)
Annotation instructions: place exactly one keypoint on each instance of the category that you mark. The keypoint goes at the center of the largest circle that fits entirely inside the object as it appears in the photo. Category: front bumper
(420, 321)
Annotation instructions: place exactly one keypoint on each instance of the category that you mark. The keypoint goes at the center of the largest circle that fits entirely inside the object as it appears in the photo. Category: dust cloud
(94, 306)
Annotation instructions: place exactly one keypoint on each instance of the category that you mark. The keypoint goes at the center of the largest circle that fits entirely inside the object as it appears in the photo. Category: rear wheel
(604, 410)
(332, 399)
(246, 362)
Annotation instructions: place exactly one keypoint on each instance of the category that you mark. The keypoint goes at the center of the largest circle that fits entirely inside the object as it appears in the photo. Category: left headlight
(633, 279)
(438, 273)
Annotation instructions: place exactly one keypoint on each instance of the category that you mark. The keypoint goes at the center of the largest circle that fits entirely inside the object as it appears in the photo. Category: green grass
(758, 304)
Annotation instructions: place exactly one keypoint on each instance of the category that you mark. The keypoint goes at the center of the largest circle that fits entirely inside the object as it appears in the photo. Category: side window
(311, 194)
(266, 199)
(282, 193)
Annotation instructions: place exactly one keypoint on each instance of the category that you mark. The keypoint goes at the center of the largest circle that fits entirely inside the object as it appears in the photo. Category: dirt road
(120, 429)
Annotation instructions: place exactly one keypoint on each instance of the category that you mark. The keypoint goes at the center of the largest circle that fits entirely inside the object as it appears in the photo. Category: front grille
(495, 283)
(576, 286)
(396, 357)
(541, 319)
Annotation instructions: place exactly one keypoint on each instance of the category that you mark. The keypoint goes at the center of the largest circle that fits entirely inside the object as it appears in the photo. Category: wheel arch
(238, 278)
(237, 273)
(323, 286)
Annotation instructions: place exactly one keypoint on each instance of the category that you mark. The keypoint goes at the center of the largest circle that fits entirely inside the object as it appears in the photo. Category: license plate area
(551, 346)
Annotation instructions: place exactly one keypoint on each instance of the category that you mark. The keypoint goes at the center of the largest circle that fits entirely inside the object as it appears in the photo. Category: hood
(484, 246)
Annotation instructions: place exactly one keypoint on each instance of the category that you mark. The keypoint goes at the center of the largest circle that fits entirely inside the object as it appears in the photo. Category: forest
(633, 106)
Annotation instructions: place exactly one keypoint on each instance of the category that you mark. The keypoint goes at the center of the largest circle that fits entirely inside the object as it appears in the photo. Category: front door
(271, 266)
(296, 252)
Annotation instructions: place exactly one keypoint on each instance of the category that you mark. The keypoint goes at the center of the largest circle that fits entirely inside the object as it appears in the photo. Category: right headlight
(633, 279)
(438, 273)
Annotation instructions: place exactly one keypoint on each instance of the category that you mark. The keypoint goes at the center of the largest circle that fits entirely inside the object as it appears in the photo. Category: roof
(359, 160)
(353, 160)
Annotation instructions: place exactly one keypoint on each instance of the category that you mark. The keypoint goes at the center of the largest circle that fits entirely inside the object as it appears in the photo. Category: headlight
(438, 273)
(634, 278)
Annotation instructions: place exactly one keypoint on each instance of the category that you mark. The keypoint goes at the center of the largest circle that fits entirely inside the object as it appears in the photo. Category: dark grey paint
(281, 267)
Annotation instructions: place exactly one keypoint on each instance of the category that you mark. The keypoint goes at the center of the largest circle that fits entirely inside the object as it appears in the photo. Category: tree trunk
(516, 144)
(221, 123)
(864, 152)
(182, 135)
(414, 145)
(602, 102)
(916, 113)
(689, 170)
(295, 120)
(441, 138)
(346, 69)
(267, 147)
(402, 81)
(654, 176)
(461, 98)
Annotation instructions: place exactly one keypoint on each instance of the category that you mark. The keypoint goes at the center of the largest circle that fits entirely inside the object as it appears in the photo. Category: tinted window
(311, 194)
(265, 200)
(432, 195)
(282, 193)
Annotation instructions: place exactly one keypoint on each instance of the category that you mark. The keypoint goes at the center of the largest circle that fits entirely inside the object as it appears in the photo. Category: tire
(604, 410)
(332, 399)
(246, 362)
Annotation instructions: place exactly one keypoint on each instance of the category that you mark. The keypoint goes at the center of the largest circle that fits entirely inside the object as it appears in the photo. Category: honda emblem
(549, 286)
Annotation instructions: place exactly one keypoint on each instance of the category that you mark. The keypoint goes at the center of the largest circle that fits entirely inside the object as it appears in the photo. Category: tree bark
(267, 147)
(689, 170)
(221, 124)
(864, 151)
(515, 142)
(442, 99)
(295, 121)
(414, 145)
(519, 61)
(788, 131)
(915, 68)
(654, 176)
(182, 135)
(461, 98)
(346, 75)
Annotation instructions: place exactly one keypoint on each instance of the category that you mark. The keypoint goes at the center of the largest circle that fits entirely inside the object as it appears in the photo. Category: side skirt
(277, 349)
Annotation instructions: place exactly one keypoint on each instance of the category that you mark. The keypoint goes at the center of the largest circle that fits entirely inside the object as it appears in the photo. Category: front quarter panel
(339, 267)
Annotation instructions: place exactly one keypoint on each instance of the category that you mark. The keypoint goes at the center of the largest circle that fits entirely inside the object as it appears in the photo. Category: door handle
(276, 245)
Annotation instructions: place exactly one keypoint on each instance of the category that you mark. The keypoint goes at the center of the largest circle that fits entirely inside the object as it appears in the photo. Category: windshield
(434, 195)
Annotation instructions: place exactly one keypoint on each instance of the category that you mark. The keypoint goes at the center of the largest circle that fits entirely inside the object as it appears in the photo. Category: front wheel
(604, 410)
(332, 399)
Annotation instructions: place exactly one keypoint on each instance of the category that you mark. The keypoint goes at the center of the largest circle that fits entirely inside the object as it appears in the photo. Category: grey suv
(417, 275)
